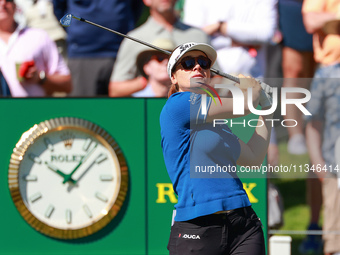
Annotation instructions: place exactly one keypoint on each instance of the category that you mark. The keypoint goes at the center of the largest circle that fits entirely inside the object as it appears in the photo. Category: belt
(242, 211)
(222, 212)
(221, 216)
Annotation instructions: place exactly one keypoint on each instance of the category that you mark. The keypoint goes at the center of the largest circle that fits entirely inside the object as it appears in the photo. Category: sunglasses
(159, 57)
(9, 1)
(189, 63)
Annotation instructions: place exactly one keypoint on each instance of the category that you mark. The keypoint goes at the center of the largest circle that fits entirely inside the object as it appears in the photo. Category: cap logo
(185, 46)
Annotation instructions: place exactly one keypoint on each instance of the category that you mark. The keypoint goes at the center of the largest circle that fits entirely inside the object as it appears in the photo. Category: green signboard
(142, 225)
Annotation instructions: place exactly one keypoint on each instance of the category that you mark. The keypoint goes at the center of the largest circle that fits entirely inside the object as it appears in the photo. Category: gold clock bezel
(58, 124)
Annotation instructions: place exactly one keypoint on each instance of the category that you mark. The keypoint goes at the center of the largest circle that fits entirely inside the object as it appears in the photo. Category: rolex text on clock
(67, 177)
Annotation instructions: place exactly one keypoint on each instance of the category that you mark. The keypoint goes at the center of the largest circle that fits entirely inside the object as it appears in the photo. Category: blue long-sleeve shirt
(200, 159)
(85, 40)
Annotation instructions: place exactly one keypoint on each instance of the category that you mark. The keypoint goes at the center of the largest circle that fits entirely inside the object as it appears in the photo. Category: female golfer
(213, 213)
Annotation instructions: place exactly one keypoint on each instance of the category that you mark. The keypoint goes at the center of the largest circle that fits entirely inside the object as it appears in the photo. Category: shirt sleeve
(188, 108)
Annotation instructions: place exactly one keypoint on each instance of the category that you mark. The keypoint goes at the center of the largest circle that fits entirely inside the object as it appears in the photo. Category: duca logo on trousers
(186, 236)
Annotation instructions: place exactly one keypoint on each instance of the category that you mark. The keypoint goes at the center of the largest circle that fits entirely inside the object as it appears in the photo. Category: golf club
(66, 22)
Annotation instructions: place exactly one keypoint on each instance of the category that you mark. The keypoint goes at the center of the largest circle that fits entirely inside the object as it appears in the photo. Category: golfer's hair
(173, 89)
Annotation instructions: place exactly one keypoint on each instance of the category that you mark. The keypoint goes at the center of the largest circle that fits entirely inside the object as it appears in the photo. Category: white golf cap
(180, 50)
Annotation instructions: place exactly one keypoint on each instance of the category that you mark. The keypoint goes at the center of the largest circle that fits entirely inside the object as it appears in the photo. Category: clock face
(68, 177)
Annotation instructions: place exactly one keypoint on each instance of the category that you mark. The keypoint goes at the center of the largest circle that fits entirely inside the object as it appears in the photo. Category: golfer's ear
(173, 79)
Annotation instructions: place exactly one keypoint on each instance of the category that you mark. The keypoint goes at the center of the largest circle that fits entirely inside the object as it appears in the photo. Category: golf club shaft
(123, 35)
(225, 75)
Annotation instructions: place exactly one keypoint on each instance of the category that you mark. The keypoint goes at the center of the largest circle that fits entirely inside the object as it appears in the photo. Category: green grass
(293, 191)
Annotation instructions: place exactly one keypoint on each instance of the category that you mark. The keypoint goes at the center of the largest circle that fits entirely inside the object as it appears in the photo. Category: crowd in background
(104, 64)
(267, 39)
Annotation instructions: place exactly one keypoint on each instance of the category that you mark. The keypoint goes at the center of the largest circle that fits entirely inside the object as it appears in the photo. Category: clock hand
(56, 170)
(68, 177)
(89, 167)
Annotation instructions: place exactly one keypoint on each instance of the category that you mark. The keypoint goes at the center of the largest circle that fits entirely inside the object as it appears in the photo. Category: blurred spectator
(275, 207)
(239, 30)
(162, 23)
(273, 154)
(152, 64)
(297, 63)
(91, 50)
(275, 200)
(29, 60)
(298, 66)
(21, 6)
(322, 130)
(313, 243)
(40, 15)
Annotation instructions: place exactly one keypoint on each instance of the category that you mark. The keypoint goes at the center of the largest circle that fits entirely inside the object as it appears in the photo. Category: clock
(67, 177)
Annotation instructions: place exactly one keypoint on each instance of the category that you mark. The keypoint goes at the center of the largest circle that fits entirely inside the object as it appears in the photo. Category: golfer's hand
(248, 82)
